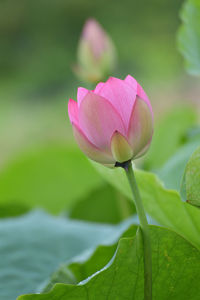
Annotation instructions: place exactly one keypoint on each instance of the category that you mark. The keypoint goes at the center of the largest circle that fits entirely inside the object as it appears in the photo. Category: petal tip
(73, 111)
(81, 93)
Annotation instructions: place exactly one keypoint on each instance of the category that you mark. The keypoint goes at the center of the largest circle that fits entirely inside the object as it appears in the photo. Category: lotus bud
(96, 53)
(113, 123)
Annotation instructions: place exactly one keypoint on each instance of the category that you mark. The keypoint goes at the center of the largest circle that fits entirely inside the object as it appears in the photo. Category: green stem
(145, 232)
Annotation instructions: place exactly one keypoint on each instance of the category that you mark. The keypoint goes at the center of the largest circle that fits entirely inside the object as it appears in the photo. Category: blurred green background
(40, 165)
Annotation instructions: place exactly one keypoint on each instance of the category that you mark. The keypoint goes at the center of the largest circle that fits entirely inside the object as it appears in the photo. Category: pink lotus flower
(114, 122)
(96, 53)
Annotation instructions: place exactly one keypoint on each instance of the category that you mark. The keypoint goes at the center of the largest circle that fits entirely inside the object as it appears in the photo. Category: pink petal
(120, 95)
(140, 92)
(131, 81)
(91, 150)
(98, 120)
(81, 93)
(73, 111)
(140, 127)
(99, 87)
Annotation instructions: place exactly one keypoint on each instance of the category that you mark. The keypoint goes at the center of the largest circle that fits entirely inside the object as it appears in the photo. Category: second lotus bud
(96, 53)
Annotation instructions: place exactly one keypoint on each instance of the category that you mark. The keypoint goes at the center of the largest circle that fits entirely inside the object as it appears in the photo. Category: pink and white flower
(114, 122)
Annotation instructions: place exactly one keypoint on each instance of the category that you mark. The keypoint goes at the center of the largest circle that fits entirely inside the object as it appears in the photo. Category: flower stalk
(145, 231)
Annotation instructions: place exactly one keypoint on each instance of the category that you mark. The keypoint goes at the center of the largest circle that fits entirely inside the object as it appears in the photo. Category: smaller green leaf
(192, 179)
